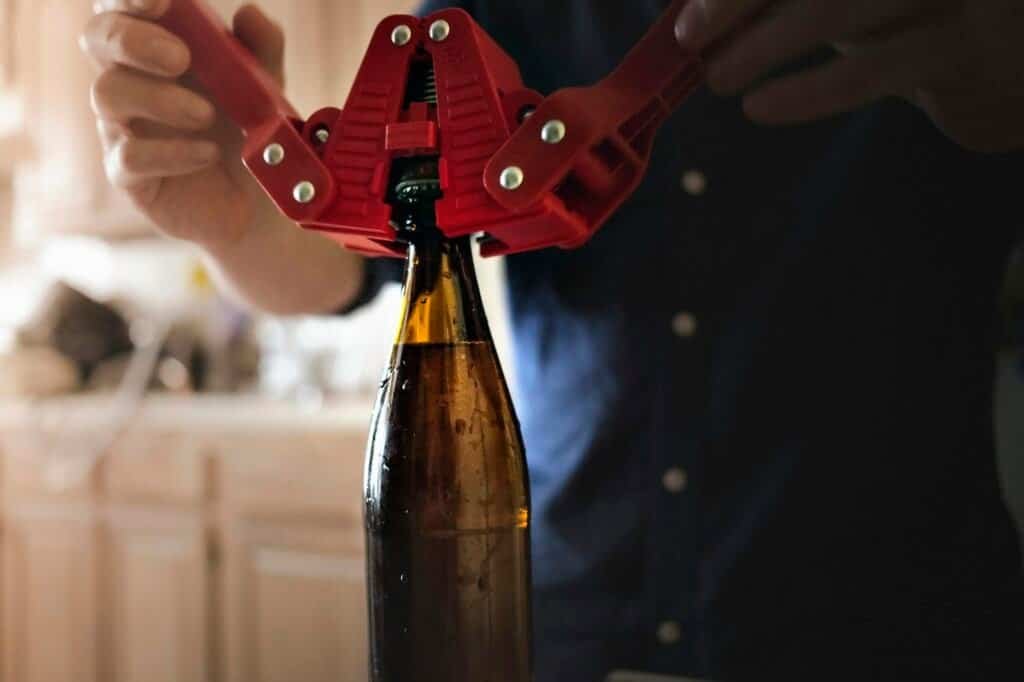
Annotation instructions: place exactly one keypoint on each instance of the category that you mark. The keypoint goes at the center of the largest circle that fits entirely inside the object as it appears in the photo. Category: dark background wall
(1010, 419)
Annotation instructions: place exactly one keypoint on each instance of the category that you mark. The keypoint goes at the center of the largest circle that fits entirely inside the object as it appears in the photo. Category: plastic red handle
(610, 131)
(233, 76)
(338, 182)
(250, 97)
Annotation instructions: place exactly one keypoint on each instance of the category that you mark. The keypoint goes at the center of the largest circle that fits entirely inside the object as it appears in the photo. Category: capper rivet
(512, 178)
(304, 192)
(273, 155)
(440, 30)
(553, 132)
(401, 35)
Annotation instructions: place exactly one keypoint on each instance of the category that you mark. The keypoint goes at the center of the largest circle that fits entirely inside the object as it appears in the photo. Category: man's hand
(164, 142)
(962, 61)
(169, 149)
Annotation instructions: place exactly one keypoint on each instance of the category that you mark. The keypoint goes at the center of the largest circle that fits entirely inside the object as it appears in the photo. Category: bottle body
(447, 501)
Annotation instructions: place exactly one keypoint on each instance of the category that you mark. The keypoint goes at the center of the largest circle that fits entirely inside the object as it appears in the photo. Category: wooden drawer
(47, 465)
(156, 588)
(158, 465)
(293, 474)
(294, 603)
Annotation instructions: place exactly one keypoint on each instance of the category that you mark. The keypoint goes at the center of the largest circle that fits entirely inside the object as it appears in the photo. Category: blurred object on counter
(234, 367)
(96, 301)
(85, 331)
(187, 362)
(153, 276)
(183, 363)
(209, 345)
(309, 359)
(169, 374)
(37, 373)
(109, 374)
(228, 358)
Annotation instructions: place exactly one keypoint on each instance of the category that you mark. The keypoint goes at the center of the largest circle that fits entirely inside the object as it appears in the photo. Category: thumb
(263, 37)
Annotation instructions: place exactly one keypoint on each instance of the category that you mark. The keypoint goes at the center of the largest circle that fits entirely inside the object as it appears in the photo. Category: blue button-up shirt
(758, 405)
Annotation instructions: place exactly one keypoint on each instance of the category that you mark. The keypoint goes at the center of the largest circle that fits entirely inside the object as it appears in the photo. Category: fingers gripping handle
(250, 97)
(232, 74)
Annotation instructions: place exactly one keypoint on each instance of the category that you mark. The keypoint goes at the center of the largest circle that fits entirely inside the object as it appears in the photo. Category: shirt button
(669, 632)
(674, 480)
(694, 183)
(684, 325)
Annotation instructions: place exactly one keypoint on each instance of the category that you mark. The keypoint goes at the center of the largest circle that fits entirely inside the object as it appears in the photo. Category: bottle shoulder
(445, 444)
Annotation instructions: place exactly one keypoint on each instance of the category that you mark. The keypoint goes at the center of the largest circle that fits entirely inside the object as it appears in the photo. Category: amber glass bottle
(447, 503)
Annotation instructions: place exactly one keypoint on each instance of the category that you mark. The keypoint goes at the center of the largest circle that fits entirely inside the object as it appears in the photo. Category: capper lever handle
(552, 182)
(606, 132)
(275, 151)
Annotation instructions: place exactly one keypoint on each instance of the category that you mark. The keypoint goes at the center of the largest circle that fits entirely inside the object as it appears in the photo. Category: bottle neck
(442, 297)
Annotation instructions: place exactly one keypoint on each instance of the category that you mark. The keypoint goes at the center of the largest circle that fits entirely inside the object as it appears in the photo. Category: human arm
(169, 149)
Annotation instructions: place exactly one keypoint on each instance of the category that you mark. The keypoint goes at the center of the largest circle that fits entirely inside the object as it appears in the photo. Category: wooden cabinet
(215, 540)
(294, 603)
(156, 596)
(51, 559)
(51, 612)
(61, 183)
(293, 558)
(293, 564)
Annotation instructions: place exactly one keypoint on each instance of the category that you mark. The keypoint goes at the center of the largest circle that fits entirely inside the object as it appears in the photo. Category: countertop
(201, 412)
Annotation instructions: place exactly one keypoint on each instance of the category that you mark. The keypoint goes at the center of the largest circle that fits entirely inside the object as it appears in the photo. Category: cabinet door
(295, 604)
(61, 186)
(155, 592)
(50, 589)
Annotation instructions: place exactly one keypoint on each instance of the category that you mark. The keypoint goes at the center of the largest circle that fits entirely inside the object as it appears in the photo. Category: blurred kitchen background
(180, 489)
(181, 479)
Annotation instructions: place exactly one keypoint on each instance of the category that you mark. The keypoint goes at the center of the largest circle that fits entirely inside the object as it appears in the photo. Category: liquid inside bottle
(447, 502)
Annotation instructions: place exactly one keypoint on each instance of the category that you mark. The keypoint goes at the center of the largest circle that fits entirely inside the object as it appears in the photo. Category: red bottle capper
(528, 172)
